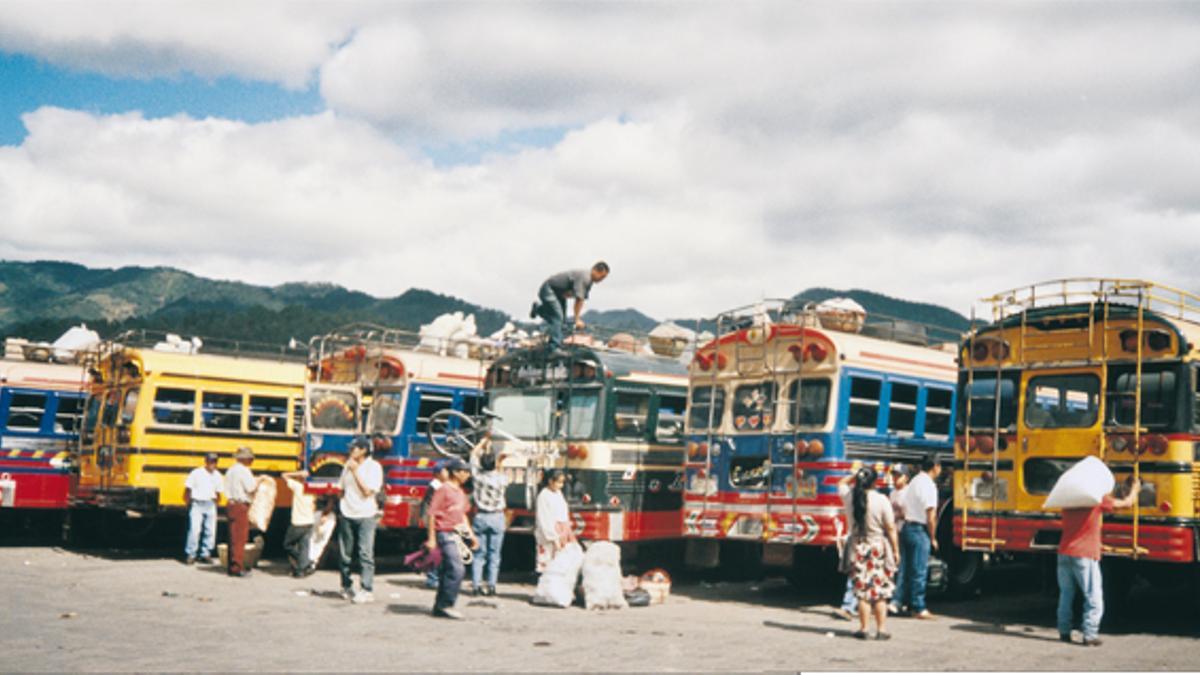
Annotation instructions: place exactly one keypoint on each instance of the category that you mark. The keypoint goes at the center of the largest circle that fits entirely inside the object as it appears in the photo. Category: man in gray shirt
(551, 304)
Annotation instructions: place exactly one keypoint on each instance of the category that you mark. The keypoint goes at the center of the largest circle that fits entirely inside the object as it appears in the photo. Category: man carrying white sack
(1079, 564)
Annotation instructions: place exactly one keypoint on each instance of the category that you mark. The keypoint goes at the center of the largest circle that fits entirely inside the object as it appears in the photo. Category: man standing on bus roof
(919, 536)
(1079, 565)
(240, 487)
(200, 493)
(361, 479)
(551, 304)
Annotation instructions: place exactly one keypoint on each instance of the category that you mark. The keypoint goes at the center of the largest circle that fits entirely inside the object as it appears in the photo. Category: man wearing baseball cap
(361, 479)
(448, 523)
(200, 493)
(240, 487)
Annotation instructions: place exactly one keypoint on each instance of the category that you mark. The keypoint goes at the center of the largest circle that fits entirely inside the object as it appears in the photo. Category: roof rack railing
(167, 341)
(1158, 298)
(809, 313)
(375, 336)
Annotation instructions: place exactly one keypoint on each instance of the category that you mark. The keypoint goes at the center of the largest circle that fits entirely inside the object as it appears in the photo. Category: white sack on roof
(178, 345)
(449, 334)
(841, 314)
(77, 339)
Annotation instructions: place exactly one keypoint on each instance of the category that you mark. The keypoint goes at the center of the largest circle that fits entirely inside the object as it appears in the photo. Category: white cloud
(718, 152)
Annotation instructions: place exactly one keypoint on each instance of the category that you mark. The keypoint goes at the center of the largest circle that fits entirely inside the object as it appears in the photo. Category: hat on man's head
(360, 441)
(210, 456)
(244, 452)
(457, 464)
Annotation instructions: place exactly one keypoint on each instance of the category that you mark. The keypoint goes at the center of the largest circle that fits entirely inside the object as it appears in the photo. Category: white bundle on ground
(602, 577)
(1081, 486)
(263, 505)
(556, 587)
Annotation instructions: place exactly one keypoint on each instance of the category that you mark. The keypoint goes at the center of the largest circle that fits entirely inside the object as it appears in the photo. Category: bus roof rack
(164, 341)
(1157, 298)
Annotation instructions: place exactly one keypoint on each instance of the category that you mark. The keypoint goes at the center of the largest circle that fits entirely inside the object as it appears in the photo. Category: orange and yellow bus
(153, 412)
(1074, 368)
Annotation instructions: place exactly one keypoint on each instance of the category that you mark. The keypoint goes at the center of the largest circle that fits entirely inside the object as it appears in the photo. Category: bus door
(1058, 425)
(629, 479)
(106, 440)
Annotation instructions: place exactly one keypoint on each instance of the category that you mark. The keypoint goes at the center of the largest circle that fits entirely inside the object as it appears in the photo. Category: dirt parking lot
(105, 611)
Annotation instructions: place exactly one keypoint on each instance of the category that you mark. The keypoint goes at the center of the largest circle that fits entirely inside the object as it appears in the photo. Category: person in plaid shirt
(488, 495)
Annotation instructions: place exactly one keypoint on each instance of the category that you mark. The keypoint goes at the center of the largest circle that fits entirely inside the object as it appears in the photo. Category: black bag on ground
(638, 597)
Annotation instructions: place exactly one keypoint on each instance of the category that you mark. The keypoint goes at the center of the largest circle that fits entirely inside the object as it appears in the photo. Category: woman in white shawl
(553, 525)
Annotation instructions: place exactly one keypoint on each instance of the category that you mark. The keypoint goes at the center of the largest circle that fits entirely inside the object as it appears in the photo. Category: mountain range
(40, 300)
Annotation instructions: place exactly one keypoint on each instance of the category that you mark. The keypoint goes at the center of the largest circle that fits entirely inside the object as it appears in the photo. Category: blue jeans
(450, 573)
(202, 517)
(849, 602)
(554, 312)
(914, 542)
(1080, 575)
(362, 531)
(489, 528)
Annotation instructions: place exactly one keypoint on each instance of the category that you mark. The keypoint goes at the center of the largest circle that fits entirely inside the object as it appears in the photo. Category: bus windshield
(983, 401)
(333, 410)
(524, 414)
(1062, 401)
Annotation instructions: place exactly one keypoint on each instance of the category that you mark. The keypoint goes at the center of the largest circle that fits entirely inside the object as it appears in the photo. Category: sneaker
(1064, 637)
(861, 634)
(844, 614)
(448, 613)
(490, 591)
(924, 614)
(533, 311)
(363, 597)
(191, 560)
(347, 594)
(881, 635)
(243, 573)
(204, 560)
(477, 591)
(1092, 642)
(893, 609)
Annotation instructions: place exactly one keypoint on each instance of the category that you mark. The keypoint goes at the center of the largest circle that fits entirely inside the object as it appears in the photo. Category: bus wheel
(965, 573)
(1118, 576)
(741, 560)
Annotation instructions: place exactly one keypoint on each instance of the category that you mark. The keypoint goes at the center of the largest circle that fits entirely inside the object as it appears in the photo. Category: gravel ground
(104, 611)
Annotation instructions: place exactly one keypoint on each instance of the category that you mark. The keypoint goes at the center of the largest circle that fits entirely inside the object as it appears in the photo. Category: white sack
(319, 536)
(1082, 486)
(76, 339)
(602, 577)
(556, 588)
(263, 505)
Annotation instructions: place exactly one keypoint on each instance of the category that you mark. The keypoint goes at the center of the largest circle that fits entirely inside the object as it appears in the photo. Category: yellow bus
(154, 411)
(1074, 368)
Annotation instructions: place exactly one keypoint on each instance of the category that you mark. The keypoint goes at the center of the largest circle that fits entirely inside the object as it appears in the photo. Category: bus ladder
(991, 542)
(1134, 550)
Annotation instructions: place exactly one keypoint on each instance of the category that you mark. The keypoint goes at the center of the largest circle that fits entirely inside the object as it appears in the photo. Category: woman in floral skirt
(872, 554)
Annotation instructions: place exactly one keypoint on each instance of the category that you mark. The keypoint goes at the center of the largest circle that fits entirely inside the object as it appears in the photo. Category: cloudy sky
(714, 153)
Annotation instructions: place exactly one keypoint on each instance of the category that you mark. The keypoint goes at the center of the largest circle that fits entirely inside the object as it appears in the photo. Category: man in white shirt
(200, 492)
(240, 486)
(919, 536)
(361, 479)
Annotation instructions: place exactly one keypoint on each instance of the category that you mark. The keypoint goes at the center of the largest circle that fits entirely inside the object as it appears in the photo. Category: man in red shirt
(447, 518)
(1079, 565)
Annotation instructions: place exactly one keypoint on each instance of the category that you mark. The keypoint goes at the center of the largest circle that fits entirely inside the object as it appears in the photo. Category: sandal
(883, 636)
(860, 634)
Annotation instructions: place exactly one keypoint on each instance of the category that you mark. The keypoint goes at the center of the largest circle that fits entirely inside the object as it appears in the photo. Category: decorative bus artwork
(1075, 368)
(386, 383)
(612, 418)
(156, 407)
(784, 404)
(41, 401)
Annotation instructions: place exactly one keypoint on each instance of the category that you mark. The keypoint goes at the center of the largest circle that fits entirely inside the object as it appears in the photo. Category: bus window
(25, 411)
(581, 415)
(812, 407)
(1158, 399)
(109, 417)
(221, 411)
(938, 404)
(429, 403)
(630, 414)
(129, 407)
(1062, 401)
(753, 406)
(669, 428)
(524, 414)
(983, 401)
(472, 403)
(66, 418)
(332, 410)
(864, 404)
(268, 414)
(297, 416)
(175, 407)
(89, 420)
(1042, 473)
(385, 414)
(902, 410)
(706, 406)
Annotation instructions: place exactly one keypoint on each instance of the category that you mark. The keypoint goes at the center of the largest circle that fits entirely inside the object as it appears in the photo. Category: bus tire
(965, 574)
(1118, 576)
(741, 560)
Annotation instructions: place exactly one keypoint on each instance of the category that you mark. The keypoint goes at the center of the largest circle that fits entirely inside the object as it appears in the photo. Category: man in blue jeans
(918, 537)
(200, 492)
(1079, 565)
(489, 499)
(551, 304)
(361, 479)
